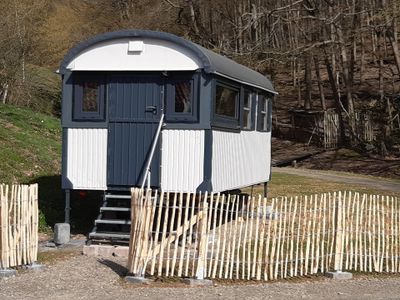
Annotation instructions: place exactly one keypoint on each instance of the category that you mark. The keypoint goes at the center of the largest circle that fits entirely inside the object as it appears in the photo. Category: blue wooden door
(134, 105)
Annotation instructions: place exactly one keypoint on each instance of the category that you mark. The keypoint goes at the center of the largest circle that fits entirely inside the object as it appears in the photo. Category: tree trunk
(308, 80)
(347, 80)
(336, 97)
(5, 93)
(362, 58)
(320, 86)
(393, 35)
(193, 16)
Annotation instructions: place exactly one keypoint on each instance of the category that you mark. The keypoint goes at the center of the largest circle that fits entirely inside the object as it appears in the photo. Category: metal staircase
(113, 223)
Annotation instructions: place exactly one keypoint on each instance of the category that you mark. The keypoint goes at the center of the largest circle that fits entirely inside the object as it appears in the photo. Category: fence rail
(241, 237)
(18, 225)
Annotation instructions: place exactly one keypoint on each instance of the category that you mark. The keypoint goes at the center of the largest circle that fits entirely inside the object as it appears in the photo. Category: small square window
(90, 100)
(226, 101)
(226, 106)
(183, 97)
(89, 90)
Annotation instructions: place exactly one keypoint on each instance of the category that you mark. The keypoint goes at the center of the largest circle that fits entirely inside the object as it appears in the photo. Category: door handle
(151, 108)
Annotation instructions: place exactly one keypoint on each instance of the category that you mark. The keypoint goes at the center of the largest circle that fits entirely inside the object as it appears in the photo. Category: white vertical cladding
(87, 158)
(182, 159)
(240, 159)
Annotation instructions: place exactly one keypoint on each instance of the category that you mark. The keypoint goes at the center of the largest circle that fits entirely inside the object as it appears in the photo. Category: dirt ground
(74, 276)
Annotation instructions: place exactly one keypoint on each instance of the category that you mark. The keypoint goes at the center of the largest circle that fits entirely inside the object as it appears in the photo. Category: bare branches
(173, 4)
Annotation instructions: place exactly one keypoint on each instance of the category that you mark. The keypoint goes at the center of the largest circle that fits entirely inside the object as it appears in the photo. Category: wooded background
(320, 54)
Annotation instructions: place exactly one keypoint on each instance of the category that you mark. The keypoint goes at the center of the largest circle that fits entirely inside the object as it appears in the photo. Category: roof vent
(135, 47)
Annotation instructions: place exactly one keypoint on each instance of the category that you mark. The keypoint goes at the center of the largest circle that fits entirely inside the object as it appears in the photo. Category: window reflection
(226, 101)
(183, 103)
(90, 99)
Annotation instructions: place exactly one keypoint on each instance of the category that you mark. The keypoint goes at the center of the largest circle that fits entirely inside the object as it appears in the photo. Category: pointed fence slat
(19, 217)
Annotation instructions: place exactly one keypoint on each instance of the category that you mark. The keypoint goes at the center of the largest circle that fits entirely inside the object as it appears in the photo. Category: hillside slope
(30, 152)
(30, 145)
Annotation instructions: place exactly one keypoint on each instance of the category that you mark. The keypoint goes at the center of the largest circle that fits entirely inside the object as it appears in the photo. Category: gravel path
(81, 277)
(376, 183)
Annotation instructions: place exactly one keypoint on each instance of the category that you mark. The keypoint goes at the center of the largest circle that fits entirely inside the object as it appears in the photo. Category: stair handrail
(153, 148)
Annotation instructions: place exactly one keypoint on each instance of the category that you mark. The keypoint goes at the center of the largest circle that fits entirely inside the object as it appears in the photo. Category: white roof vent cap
(135, 47)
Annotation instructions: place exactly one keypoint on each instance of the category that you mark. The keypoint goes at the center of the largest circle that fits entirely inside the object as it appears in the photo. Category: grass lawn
(291, 185)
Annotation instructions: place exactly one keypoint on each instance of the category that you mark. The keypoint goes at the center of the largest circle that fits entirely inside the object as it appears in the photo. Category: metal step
(125, 197)
(110, 235)
(109, 221)
(109, 208)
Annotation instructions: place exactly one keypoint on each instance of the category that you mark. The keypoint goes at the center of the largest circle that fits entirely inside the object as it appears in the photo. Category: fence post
(202, 251)
(338, 234)
(338, 262)
(136, 195)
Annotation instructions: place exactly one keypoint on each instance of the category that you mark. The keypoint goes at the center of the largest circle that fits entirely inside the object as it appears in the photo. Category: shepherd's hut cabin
(145, 108)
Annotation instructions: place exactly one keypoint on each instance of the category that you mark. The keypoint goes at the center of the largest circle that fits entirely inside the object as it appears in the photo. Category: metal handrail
(153, 148)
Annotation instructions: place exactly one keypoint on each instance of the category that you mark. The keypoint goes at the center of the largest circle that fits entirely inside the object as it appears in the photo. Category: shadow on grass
(84, 205)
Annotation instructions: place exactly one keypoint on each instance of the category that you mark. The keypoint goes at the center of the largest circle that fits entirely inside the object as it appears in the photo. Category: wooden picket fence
(242, 237)
(18, 225)
(331, 130)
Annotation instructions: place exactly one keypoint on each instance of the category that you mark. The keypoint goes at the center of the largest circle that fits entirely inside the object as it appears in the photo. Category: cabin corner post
(67, 210)
(265, 189)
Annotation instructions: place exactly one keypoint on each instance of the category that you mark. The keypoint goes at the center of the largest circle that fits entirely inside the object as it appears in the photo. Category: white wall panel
(87, 158)
(240, 159)
(182, 159)
(113, 55)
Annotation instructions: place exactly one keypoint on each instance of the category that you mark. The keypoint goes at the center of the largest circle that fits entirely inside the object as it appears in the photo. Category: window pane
(266, 115)
(265, 122)
(183, 103)
(247, 99)
(263, 106)
(225, 102)
(247, 109)
(90, 99)
(246, 119)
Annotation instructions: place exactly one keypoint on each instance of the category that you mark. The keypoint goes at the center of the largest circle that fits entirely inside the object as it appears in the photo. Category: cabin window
(90, 100)
(226, 101)
(181, 100)
(264, 113)
(226, 106)
(248, 111)
(88, 97)
(183, 97)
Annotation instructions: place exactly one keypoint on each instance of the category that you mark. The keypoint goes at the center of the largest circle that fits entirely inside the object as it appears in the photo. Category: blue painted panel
(134, 113)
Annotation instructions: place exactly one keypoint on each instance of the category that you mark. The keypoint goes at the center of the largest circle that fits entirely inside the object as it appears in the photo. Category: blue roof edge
(229, 67)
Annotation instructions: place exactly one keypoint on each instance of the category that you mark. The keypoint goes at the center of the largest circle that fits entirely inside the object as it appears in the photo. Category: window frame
(252, 109)
(221, 121)
(77, 104)
(180, 117)
(268, 112)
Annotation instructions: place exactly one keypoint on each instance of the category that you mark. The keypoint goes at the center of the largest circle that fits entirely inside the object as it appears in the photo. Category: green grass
(30, 151)
(30, 144)
(282, 184)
